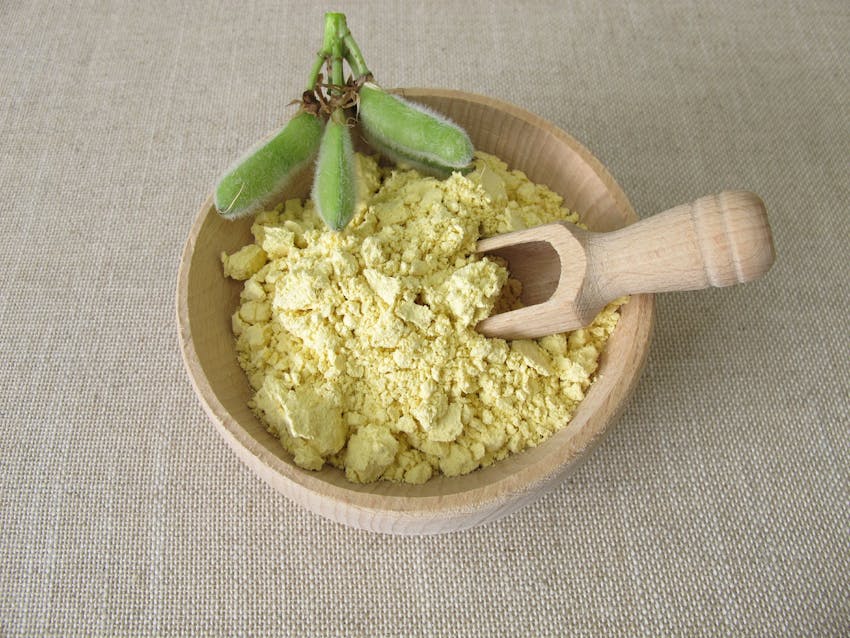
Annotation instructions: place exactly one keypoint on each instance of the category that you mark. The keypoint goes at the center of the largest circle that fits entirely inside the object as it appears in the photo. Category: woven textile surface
(718, 506)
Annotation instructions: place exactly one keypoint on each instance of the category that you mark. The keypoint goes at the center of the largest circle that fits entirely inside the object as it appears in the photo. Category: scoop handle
(717, 240)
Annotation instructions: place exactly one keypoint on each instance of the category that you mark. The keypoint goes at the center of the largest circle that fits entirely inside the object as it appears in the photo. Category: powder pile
(360, 346)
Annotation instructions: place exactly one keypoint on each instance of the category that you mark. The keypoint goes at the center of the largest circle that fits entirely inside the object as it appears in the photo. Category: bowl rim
(327, 498)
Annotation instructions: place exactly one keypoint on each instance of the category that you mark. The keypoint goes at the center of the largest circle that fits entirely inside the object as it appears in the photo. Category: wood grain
(205, 301)
(569, 274)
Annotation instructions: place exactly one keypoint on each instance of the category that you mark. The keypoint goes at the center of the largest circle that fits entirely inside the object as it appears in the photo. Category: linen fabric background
(718, 506)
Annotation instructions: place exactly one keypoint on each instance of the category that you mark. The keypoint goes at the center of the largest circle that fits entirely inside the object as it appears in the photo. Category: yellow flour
(361, 346)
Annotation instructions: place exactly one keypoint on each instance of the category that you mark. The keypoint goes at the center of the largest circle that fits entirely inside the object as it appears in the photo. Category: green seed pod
(262, 174)
(334, 184)
(410, 133)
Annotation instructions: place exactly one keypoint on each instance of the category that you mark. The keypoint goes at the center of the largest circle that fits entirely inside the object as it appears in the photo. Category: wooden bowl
(206, 300)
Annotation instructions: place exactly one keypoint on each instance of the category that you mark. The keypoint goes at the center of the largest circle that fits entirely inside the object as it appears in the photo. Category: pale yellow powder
(361, 346)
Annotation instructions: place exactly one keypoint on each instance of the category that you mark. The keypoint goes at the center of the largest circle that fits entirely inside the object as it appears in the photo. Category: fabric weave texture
(719, 505)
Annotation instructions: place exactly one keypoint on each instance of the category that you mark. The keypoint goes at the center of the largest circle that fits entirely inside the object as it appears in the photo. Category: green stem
(354, 56)
(332, 21)
(337, 76)
(314, 72)
(329, 41)
(335, 22)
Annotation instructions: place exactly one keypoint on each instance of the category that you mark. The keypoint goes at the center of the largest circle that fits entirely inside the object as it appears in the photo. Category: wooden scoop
(568, 274)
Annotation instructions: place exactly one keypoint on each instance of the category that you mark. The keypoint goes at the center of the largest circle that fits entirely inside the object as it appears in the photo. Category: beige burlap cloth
(719, 506)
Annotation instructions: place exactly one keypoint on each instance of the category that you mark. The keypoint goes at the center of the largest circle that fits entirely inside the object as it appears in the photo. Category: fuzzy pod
(334, 184)
(410, 133)
(263, 173)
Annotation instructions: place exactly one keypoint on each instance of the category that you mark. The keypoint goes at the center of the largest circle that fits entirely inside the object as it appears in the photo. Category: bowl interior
(206, 300)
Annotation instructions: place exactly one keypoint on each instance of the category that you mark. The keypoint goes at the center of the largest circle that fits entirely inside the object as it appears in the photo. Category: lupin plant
(403, 131)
